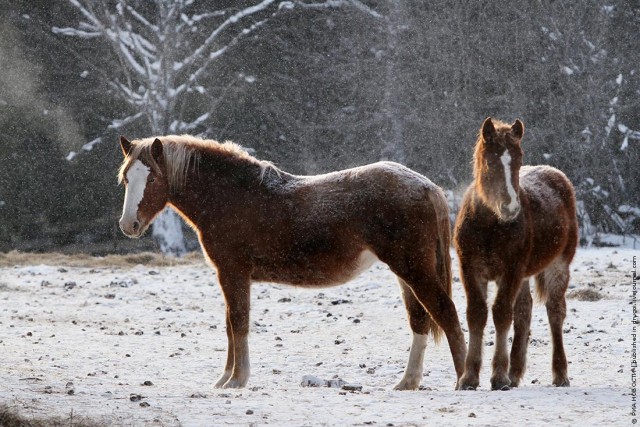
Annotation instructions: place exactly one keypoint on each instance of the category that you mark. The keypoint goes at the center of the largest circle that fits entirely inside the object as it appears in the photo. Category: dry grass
(151, 259)
(11, 418)
(585, 294)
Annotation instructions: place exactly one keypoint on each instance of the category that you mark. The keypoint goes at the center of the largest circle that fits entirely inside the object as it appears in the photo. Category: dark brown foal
(515, 222)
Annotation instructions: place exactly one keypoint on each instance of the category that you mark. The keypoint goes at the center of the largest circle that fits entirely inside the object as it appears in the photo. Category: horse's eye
(152, 180)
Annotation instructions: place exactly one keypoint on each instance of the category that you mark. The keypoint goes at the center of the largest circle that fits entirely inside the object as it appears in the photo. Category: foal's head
(144, 175)
(498, 158)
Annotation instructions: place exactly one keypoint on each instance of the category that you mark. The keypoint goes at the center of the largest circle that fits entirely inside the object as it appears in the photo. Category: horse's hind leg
(521, 330)
(421, 324)
(551, 285)
(431, 295)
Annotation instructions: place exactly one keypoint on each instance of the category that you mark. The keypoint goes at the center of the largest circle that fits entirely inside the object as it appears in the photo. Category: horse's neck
(479, 203)
(211, 189)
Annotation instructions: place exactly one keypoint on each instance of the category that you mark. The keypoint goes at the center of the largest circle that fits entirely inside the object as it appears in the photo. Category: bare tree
(393, 109)
(165, 50)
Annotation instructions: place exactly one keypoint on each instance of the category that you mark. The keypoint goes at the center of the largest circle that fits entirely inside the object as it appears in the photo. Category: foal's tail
(443, 256)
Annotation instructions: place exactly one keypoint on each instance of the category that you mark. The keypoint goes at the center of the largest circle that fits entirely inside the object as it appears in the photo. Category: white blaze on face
(136, 183)
(513, 196)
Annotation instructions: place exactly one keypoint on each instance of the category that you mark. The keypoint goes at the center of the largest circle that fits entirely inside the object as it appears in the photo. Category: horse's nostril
(136, 226)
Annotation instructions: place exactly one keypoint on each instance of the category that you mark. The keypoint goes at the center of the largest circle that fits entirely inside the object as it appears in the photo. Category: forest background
(313, 87)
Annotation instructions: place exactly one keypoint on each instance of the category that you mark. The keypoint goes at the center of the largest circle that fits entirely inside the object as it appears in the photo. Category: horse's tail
(443, 256)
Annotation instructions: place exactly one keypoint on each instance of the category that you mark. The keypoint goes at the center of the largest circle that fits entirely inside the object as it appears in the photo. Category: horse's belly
(546, 248)
(316, 271)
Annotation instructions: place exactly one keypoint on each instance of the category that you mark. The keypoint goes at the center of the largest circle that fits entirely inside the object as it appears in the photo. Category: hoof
(220, 384)
(403, 388)
(234, 383)
(407, 385)
(223, 380)
(466, 383)
(502, 384)
(561, 382)
(515, 382)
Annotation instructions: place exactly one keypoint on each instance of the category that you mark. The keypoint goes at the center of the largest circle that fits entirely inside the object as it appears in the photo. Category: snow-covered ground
(85, 340)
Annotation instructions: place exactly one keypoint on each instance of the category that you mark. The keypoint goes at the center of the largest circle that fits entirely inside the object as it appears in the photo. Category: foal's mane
(184, 152)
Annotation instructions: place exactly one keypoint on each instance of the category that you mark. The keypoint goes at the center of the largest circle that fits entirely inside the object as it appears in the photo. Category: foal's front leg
(521, 330)
(476, 290)
(236, 290)
(502, 310)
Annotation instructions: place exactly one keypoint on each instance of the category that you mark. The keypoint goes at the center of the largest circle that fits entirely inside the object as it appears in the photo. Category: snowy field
(137, 346)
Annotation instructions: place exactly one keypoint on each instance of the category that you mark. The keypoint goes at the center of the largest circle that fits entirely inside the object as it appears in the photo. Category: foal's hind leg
(552, 284)
(521, 330)
(420, 323)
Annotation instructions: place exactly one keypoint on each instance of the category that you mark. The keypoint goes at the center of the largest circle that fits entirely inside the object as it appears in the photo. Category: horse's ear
(157, 150)
(517, 129)
(488, 130)
(125, 144)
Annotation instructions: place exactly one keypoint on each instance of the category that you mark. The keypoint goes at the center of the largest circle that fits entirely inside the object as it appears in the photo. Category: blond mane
(184, 152)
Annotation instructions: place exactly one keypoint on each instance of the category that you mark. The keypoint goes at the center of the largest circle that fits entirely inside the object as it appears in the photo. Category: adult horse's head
(498, 158)
(143, 173)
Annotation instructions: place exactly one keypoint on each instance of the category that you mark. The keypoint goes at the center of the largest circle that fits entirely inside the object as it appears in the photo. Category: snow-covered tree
(165, 50)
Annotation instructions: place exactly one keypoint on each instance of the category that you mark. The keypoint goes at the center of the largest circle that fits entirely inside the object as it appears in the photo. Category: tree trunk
(394, 149)
(167, 231)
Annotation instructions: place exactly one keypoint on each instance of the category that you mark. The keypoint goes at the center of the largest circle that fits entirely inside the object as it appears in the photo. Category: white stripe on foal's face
(134, 192)
(513, 196)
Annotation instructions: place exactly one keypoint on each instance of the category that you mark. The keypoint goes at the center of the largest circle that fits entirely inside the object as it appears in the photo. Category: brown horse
(515, 222)
(258, 223)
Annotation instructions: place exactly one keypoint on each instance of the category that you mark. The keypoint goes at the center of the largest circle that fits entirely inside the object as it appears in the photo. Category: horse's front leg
(502, 310)
(228, 368)
(236, 291)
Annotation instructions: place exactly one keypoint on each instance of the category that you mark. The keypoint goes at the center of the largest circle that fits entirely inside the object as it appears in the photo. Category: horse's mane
(182, 152)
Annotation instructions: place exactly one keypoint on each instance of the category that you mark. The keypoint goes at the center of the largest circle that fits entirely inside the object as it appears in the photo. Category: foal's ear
(517, 129)
(156, 150)
(125, 144)
(488, 130)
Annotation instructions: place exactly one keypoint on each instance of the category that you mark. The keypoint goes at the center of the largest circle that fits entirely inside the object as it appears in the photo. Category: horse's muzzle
(131, 228)
(507, 214)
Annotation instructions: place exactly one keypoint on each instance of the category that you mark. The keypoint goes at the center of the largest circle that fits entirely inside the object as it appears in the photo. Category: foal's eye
(152, 180)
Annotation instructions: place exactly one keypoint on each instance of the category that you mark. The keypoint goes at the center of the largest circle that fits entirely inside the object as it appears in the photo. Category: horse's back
(547, 184)
(383, 176)
(360, 193)
(548, 190)
(326, 225)
(551, 202)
